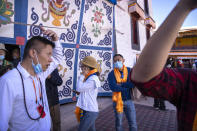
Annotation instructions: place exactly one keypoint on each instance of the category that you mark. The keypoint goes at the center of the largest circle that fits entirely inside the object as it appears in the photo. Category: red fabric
(20, 40)
(179, 86)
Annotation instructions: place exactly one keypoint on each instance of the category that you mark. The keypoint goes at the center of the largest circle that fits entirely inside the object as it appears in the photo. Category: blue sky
(161, 9)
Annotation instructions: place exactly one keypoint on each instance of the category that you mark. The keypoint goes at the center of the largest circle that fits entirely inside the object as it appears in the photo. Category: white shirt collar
(23, 71)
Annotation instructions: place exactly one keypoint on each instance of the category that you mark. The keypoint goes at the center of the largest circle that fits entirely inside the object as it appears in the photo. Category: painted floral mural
(97, 21)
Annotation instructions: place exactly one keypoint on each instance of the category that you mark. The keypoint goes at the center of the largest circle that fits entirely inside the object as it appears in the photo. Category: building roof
(185, 29)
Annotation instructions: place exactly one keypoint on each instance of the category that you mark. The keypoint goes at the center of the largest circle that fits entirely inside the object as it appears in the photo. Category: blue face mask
(2, 57)
(118, 64)
(38, 67)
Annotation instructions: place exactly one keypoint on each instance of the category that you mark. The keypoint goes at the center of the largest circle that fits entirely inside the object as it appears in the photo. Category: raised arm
(155, 53)
(57, 52)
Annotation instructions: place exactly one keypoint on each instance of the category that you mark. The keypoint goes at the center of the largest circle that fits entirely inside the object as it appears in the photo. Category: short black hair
(32, 43)
(118, 55)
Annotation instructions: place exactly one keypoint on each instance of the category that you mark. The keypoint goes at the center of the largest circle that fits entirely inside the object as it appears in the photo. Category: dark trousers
(87, 122)
(55, 116)
(159, 103)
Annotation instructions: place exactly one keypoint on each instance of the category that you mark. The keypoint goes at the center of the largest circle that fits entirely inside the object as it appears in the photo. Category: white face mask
(38, 67)
(118, 64)
(2, 57)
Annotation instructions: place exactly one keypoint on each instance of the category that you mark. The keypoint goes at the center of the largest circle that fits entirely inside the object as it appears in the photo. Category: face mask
(37, 68)
(118, 65)
(2, 57)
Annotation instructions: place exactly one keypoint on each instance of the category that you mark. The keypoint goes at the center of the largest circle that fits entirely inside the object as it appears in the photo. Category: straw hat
(90, 61)
(2, 47)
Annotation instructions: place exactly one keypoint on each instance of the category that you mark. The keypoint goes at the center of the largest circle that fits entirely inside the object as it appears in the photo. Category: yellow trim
(132, 4)
(195, 123)
(147, 19)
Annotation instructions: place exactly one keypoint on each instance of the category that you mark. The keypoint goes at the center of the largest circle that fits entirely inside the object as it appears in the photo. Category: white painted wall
(141, 3)
(142, 34)
(123, 33)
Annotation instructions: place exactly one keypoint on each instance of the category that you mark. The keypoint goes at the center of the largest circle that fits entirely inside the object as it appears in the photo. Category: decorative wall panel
(84, 27)
(97, 24)
(62, 15)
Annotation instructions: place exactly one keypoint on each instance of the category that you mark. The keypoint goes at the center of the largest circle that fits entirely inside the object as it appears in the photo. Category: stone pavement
(148, 118)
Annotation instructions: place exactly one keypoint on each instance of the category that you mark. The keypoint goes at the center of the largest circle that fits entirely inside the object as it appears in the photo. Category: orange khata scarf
(89, 74)
(78, 111)
(116, 97)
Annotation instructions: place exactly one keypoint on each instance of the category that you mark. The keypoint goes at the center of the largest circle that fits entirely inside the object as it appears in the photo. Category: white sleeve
(57, 59)
(84, 86)
(6, 103)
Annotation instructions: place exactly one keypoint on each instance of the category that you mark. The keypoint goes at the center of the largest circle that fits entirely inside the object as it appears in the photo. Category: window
(146, 7)
(134, 30)
(147, 33)
(134, 33)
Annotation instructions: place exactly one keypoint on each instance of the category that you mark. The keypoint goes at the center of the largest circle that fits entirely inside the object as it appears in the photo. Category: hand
(50, 33)
(49, 77)
(76, 92)
(190, 4)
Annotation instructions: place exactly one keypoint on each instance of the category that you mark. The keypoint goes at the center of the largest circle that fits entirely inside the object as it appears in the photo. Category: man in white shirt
(23, 100)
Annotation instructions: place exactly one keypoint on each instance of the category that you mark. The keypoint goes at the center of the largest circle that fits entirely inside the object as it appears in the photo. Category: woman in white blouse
(87, 86)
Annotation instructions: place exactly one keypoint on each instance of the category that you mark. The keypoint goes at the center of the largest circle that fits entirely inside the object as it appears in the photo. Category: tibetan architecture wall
(123, 33)
(85, 27)
(125, 13)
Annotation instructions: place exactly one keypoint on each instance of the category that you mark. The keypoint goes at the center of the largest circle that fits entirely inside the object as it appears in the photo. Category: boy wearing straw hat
(87, 86)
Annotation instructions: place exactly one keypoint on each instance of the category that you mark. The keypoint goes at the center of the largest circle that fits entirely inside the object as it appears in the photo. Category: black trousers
(159, 103)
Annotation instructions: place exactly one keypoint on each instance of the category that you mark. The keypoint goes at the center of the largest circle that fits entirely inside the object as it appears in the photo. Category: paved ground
(68, 120)
(148, 118)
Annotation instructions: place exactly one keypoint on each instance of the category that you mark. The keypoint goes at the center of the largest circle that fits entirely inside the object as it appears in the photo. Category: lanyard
(25, 99)
(35, 89)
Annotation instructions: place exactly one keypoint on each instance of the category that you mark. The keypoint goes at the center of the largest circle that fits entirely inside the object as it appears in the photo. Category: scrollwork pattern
(106, 56)
(35, 30)
(105, 86)
(84, 38)
(70, 35)
(66, 89)
(69, 53)
(107, 40)
(108, 11)
(89, 3)
(83, 54)
(77, 3)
